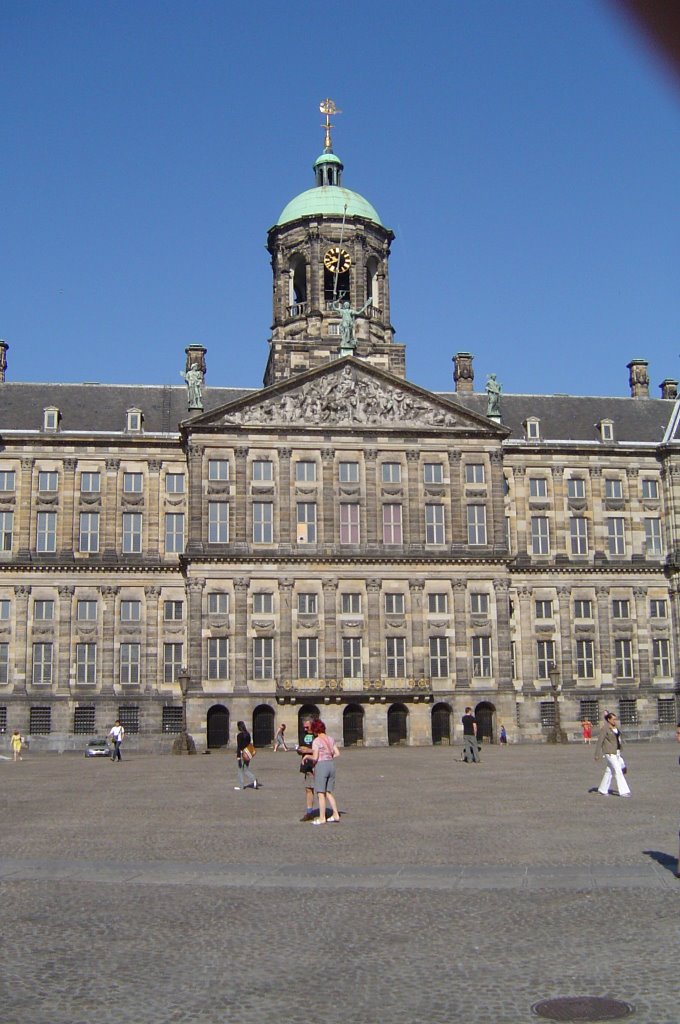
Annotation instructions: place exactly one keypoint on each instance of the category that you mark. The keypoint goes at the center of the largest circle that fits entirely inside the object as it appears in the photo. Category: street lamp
(558, 735)
(184, 743)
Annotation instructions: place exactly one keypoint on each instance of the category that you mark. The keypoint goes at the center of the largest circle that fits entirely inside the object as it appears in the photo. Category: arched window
(441, 725)
(353, 725)
(397, 725)
(218, 726)
(263, 726)
(298, 280)
(372, 288)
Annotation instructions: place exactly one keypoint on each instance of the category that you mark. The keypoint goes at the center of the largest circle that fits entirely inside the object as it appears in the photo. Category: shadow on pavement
(664, 859)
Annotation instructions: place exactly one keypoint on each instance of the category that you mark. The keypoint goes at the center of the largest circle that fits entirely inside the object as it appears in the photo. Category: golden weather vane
(328, 108)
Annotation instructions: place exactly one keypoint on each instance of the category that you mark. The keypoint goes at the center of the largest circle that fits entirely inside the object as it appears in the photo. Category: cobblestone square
(150, 891)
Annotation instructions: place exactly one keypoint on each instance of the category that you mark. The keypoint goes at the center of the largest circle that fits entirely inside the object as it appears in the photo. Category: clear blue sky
(525, 152)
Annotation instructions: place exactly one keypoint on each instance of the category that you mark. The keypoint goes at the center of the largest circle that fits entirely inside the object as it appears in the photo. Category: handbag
(306, 766)
(248, 753)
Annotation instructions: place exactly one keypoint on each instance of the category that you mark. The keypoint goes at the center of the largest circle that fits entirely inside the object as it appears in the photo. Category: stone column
(240, 520)
(195, 654)
(503, 638)
(150, 676)
(287, 667)
(522, 524)
(155, 523)
(605, 642)
(108, 660)
(643, 638)
(528, 671)
(418, 656)
(24, 509)
(566, 637)
(498, 538)
(373, 509)
(460, 635)
(65, 657)
(70, 528)
(374, 619)
(286, 489)
(330, 629)
(110, 510)
(242, 671)
(458, 522)
(599, 525)
(329, 533)
(414, 518)
(196, 527)
(674, 594)
(22, 594)
(561, 520)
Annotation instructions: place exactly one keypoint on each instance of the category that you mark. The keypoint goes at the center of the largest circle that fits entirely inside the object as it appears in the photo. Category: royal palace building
(338, 539)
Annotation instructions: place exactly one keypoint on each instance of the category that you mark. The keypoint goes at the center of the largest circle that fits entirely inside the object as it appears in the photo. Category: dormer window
(533, 428)
(606, 430)
(134, 421)
(50, 418)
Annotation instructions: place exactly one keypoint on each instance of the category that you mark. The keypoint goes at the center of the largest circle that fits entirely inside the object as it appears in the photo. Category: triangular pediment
(346, 393)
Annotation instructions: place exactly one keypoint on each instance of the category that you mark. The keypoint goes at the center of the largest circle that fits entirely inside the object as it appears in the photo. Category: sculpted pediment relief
(347, 396)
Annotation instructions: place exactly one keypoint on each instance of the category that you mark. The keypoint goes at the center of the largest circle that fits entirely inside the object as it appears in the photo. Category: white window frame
(476, 525)
(439, 657)
(218, 657)
(263, 522)
(352, 658)
(392, 529)
(348, 472)
(218, 522)
(43, 663)
(481, 657)
(578, 535)
(434, 524)
(307, 657)
(540, 535)
(133, 526)
(88, 533)
(263, 657)
(130, 663)
(433, 473)
(46, 533)
(86, 664)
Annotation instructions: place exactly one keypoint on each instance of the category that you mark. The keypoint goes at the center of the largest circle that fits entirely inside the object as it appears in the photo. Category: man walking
(470, 746)
(117, 733)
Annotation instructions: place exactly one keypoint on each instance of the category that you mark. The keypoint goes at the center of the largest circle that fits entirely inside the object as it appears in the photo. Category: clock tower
(330, 262)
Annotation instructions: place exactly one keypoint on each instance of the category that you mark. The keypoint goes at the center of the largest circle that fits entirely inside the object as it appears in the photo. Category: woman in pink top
(324, 752)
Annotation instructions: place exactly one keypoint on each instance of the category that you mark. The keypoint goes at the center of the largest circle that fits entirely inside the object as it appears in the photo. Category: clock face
(337, 260)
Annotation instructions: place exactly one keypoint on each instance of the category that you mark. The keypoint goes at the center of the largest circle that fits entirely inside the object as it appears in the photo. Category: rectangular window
(263, 657)
(263, 522)
(174, 483)
(172, 719)
(583, 608)
(434, 524)
(43, 611)
(83, 721)
(661, 658)
(540, 535)
(474, 473)
(218, 657)
(538, 487)
(263, 471)
(481, 656)
(308, 657)
(653, 537)
(172, 662)
(173, 611)
(545, 657)
(48, 482)
(613, 488)
(305, 472)
(90, 483)
(43, 655)
(128, 716)
(665, 711)
(306, 522)
(391, 473)
(578, 532)
(439, 657)
(4, 662)
(86, 611)
(658, 608)
(621, 609)
(352, 666)
(7, 480)
(86, 664)
(88, 538)
(576, 487)
(174, 533)
(479, 604)
(133, 483)
(218, 522)
(585, 659)
(628, 714)
(218, 603)
(392, 524)
(263, 603)
(513, 659)
(395, 657)
(307, 604)
(132, 533)
(40, 721)
(544, 609)
(351, 604)
(348, 472)
(650, 488)
(476, 524)
(129, 664)
(46, 537)
(5, 609)
(623, 657)
(438, 603)
(218, 469)
(433, 473)
(130, 611)
(6, 530)
(394, 604)
(349, 523)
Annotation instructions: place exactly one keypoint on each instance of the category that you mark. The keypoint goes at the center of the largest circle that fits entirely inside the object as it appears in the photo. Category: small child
(16, 744)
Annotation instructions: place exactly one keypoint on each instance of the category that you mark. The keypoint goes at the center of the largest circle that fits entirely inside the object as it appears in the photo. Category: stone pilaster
(65, 657)
(414, 519)
(566, 637)
(153, 647)
(330, 629)
(242, 669)
(111, 525)
(287, 666)
(605, 641)
(329, 525)
(155, 528)
(498, 538)
(373, 509)
(419, 667)
(374, 619)
(458, 523)
(109, 681)
(502, 589)
(70, 519)
(286, 491)
(460, 634)
(24, 512)
(195, 653)
(196, 535)
(21, 660)
(528, 670)
(240, 520)
(643, 638)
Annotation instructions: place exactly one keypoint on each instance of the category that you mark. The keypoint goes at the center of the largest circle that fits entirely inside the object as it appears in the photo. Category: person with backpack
(245, 752)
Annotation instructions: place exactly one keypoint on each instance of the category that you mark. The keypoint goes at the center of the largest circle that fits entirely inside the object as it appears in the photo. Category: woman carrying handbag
(324, 752)
(609, 746)
(245, 752)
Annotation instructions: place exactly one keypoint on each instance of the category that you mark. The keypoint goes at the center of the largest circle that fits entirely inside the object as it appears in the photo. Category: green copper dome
(330, 201)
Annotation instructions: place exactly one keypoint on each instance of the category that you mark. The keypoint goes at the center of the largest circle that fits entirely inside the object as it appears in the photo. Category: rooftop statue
(493, 396)
(347, 322)
(194, 378)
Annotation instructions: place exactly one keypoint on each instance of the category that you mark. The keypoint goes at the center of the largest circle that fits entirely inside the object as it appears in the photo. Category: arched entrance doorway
(441, 725)
(218, 726)
(485, 713)
(306, 711)
(263, 726)
(353, 725)
(397, 725)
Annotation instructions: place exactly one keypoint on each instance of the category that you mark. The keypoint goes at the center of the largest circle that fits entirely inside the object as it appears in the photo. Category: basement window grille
(83, 721)
(40, 721)
(128, 715)
(173, 719)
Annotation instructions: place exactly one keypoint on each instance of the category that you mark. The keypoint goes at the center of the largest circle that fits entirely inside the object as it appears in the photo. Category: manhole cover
(575, 1008)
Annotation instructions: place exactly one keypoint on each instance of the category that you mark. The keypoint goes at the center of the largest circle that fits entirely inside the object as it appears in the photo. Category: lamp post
(558, 735)
(184, 743)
